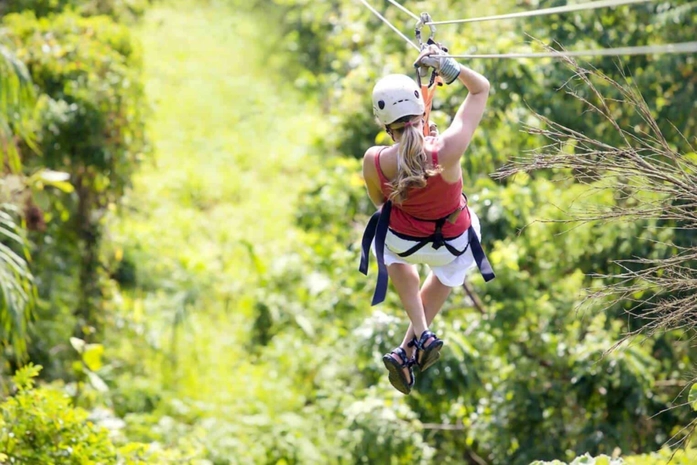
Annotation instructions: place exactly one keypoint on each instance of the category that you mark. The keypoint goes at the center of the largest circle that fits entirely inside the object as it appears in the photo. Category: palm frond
(17, 289)
(16, 102)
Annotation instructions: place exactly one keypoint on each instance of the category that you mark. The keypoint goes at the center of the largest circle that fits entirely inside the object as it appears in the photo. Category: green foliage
(237, 328)
(17, 99)
(91, 102)
(293, 339)
(585, 459)
(91, 125)
(662, 457)
(117, 9)
(17, 286)
(39, 425)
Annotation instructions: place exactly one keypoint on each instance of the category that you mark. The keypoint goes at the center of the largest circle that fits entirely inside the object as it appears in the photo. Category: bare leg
(405, 279)
(433, 296)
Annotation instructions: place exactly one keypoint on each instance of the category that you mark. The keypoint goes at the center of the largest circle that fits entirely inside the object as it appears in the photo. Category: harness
(436, 238)
(377, 228)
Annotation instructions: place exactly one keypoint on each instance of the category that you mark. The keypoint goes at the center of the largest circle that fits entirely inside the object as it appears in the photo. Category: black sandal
(429, 354)
(396, 376)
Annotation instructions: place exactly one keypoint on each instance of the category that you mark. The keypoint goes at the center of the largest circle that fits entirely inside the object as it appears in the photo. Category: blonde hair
(411, 159)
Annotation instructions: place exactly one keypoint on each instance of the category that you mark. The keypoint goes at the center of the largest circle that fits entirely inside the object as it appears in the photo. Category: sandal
(397, 377)
(429, 354)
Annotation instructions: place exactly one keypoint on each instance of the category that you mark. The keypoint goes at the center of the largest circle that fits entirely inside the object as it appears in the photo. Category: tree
(17, 292)
(16, 103)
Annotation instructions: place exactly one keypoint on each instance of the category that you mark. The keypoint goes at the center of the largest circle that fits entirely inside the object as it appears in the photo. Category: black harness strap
(436, 238)
(377, 229)
(479, 256)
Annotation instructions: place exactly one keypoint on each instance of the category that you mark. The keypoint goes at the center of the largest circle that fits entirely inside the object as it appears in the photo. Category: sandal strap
(401, 353)
(425, 336)
(413, 343)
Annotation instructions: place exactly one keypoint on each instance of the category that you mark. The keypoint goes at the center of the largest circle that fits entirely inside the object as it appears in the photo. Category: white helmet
(396, 96)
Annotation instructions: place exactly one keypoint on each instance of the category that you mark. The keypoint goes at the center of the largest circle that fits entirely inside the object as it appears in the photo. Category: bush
(662, 457)
(117, 9)
(39, 425)
(91, 125)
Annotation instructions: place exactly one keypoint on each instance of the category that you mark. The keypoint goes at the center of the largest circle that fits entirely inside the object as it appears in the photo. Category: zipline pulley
(427, 90)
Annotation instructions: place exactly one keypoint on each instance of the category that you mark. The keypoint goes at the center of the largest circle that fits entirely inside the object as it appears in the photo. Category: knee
(405, 275)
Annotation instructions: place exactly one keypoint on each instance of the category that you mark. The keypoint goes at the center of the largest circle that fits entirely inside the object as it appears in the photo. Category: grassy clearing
(232, 141)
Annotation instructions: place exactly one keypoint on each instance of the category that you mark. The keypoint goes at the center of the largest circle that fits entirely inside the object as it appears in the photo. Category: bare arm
(372, 181)
(457, 137)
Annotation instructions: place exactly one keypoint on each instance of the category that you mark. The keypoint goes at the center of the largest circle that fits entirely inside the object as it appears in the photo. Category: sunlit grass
(231, 154)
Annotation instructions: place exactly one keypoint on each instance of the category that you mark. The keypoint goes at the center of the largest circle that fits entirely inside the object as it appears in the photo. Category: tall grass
(232, 140)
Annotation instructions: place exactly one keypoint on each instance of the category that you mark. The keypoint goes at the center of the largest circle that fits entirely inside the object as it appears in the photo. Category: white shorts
(449, 270)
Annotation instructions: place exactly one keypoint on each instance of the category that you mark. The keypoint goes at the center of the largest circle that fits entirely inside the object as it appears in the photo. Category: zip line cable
(416, 17)
(682, 47)
(384, 20)
(543, 11)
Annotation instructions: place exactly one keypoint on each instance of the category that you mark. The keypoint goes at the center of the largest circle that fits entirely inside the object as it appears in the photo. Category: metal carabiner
(423, 21)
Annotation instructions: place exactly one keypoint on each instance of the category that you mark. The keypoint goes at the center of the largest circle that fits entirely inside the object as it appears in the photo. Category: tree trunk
(87, 323)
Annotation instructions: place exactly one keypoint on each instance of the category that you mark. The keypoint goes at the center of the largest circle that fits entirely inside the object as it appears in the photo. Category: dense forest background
(182, 206)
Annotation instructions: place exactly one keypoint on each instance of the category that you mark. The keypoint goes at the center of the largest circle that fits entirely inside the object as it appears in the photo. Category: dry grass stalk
(652, 182)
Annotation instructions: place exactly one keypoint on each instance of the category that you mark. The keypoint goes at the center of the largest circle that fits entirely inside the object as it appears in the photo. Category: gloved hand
(434, 57)
(422, 70)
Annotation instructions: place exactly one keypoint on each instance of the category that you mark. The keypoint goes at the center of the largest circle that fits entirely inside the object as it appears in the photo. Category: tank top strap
(381, 175)
(429, 145)
(434, 155)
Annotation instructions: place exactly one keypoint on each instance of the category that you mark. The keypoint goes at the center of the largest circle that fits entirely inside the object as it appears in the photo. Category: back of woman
(438, 197)
(423, 216)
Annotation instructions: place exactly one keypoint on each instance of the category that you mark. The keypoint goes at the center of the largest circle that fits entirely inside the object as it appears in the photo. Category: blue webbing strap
(479, 256)
(377, 228)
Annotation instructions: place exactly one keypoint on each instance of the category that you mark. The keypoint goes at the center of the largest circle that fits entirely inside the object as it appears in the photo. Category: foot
(399, 366)
(427, 349)
(407, 370)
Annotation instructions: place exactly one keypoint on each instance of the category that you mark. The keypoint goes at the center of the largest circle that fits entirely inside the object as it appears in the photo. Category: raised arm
(457, 137)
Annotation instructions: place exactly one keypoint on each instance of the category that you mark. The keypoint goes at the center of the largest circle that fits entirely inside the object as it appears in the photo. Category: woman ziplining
(416, 184)
(423, 216)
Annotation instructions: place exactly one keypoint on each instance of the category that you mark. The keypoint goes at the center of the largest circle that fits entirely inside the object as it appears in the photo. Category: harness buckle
(437, 236)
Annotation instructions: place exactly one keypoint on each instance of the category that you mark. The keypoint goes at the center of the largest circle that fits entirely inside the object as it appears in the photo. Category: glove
(422, 70)
(432, 56)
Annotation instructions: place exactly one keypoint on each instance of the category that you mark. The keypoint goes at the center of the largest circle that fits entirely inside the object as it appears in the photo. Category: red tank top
(436, 200)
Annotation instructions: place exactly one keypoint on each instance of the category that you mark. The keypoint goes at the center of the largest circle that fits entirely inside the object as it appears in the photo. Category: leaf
(305, 325)
(97, 382)
(78, 344)
(42, 199)
(24, 377)
(692, 397)
(57, 179)
(92, 356)
(50, 176)
(63, 186)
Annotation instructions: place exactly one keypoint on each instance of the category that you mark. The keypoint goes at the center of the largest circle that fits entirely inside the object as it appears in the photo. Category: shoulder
(370, 154)
(369, 171)
(369, 157)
